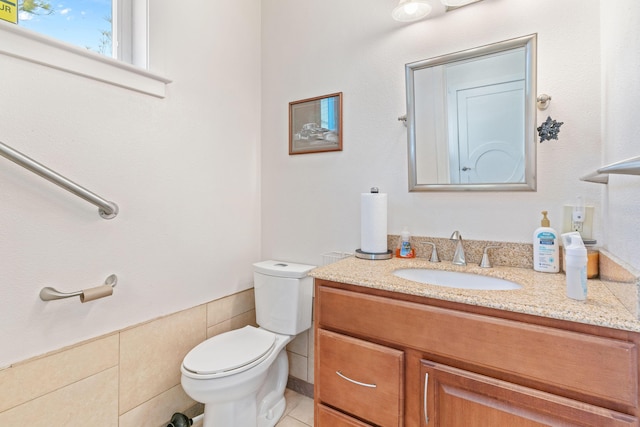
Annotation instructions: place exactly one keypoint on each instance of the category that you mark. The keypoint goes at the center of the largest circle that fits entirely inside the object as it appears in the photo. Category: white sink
(454, 279)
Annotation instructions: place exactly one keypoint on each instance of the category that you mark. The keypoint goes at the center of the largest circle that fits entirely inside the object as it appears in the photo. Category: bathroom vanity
(392, 352)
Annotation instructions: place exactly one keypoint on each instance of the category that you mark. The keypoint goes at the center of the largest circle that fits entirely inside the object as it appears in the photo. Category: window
(107, 27)
(84, 23)
(112, 36)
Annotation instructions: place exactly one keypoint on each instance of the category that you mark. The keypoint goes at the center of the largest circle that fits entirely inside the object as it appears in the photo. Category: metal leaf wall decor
(549, 129)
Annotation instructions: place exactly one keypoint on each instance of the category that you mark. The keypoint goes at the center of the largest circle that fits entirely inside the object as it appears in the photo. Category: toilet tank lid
(282, 269)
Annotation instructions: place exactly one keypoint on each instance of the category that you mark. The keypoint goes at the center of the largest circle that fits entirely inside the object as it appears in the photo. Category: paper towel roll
(95, 293)
(373, 222)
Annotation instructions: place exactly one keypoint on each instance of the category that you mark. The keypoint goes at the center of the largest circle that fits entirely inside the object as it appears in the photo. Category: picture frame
(315, 124)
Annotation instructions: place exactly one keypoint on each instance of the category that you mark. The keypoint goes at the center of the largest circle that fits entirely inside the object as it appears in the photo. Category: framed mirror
(471, 119)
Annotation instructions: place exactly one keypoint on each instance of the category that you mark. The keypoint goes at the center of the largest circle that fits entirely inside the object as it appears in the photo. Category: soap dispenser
(545, 247)
(404, 249)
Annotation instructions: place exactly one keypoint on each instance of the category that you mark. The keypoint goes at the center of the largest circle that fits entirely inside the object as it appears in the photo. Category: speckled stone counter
(542, 294)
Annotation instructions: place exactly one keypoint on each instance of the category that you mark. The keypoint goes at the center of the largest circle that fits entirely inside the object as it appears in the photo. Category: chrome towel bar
(630, 166)
(50, 294)
(107, 209)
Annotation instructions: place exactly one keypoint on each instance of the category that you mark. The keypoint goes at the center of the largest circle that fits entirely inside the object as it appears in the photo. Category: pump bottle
(404, 249)
(545, 247)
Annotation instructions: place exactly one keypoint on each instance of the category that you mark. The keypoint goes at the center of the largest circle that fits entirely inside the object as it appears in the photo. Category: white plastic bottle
(576, 259)
(404, 249)
(545, 247)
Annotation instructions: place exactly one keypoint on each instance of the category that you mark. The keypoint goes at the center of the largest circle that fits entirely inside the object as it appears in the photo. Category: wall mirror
(471, 119)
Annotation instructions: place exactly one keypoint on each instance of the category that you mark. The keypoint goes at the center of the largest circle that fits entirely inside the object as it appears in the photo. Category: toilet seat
(229, 353)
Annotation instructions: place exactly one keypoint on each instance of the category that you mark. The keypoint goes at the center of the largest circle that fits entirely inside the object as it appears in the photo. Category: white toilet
(240, 375)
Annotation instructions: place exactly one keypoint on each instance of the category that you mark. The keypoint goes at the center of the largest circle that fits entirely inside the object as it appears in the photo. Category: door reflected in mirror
(471, 119)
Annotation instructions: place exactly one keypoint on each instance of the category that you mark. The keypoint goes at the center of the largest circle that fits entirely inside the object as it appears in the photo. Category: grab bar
(630, 166)
(86, 295)
(107, 209)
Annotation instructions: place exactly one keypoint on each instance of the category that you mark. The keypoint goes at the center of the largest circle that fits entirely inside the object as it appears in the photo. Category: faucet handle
(486, 262)
(456, 236)
(434, 252)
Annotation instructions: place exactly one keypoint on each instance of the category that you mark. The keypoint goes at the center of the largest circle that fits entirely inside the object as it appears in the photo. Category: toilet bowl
(241, 375)
(230, 393)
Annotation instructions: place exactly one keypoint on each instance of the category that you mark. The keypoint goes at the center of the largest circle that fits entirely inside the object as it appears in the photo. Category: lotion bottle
(576, 255)
(404, 249)
(545, 247)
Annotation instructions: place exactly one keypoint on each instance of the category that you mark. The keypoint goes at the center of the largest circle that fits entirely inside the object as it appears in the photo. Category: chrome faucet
(458, 256)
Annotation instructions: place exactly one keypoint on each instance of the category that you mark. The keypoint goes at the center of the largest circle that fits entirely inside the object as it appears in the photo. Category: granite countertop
(542, 294)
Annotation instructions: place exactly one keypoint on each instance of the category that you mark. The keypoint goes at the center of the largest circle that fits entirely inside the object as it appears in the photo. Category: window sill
(20, 43)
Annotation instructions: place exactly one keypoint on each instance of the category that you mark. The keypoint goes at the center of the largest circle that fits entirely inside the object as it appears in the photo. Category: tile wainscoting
(130, 377)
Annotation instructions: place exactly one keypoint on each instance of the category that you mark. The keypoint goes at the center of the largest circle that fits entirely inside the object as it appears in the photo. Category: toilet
(241, 375)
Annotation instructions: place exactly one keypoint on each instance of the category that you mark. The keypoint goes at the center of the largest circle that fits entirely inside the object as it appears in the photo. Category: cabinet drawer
(360, 378)
(328, 417)
(576, 364)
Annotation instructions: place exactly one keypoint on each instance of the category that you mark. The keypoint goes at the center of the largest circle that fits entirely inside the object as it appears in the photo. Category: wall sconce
(414, 10)
(543, 101)
(457, 3)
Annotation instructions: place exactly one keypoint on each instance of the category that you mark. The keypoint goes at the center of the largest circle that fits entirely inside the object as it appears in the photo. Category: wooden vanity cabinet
(447, 364)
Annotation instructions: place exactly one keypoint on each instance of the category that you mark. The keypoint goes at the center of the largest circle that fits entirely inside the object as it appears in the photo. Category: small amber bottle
(593, 258)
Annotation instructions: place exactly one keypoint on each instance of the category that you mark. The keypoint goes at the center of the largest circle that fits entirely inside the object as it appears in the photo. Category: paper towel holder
(372, 256)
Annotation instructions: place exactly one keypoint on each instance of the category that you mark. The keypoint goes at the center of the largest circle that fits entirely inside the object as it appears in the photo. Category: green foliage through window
(84, 23)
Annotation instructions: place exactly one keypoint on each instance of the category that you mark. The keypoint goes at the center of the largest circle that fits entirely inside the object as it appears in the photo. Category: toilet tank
(284, 296)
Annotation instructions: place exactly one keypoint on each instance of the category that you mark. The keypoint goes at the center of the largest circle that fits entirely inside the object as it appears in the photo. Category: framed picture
(315, 124)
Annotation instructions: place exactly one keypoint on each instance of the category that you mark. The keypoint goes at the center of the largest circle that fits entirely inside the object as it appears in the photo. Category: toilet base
(240, 413)
(271, 417)
(243, 414)
(273, 403)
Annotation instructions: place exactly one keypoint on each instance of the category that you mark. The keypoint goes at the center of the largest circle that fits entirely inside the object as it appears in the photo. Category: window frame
(130, 22)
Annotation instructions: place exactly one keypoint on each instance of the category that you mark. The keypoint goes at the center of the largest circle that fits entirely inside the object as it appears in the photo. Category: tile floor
(299, 410)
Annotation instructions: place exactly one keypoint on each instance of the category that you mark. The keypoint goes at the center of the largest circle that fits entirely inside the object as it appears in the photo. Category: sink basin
(454, 279)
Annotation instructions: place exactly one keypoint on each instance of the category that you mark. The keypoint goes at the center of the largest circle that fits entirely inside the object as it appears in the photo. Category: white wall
(315, 47)
(184, 171)
(621, 127)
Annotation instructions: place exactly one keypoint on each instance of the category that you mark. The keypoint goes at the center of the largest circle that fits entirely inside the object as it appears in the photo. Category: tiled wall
(300, 352)
(130, 378)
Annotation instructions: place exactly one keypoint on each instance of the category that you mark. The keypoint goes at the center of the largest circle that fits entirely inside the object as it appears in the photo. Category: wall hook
(403, 119)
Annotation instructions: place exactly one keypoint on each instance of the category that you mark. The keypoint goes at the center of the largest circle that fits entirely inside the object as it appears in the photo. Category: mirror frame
(529, 43)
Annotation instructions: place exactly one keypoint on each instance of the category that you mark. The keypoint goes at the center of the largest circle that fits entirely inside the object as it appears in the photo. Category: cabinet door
(456, 398)
(360, 378)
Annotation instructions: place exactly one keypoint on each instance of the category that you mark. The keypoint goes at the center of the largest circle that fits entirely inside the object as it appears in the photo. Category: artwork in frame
(315, 124)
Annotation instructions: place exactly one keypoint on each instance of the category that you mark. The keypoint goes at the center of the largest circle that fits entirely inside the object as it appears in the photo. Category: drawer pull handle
(341, 375)
(426, 383)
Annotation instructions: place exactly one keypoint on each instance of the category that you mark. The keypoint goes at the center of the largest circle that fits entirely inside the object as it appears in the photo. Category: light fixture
(411, 10)
(457, 3)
